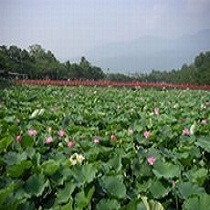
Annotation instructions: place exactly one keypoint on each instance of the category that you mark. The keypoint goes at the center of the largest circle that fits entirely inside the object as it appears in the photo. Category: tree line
(197, 73)
(37, 63)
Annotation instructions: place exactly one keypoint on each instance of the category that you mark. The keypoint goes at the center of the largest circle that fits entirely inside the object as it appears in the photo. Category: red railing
(104, 83)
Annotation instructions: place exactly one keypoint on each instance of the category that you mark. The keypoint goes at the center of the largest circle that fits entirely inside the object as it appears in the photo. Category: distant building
(12, 75)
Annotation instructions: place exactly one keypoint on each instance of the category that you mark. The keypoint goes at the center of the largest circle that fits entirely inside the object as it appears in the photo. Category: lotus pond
(80, 148)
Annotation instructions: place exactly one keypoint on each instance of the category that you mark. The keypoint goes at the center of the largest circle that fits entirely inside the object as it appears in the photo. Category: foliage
(41, 64)
(197, 73)
(38, 63)
(113, 172)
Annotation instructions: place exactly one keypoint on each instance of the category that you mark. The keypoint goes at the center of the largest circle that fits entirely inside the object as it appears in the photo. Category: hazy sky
(69, 28)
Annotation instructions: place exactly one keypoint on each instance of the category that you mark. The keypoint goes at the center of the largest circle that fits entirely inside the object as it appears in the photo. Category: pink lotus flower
(156, 111)
(151, 161)
(70, 144)
(96, 141)
(186, 132)
(32, 132)
(49, 140)
(147, 134)
(113, 138)
(61, 133)
(19, 138)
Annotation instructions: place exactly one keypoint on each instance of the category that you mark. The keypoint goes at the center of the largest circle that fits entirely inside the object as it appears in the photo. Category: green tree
(47, 66)
(202, 63)
(4, 58)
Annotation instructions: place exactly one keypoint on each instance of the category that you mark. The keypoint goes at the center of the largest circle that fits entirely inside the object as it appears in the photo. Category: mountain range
(149, 52)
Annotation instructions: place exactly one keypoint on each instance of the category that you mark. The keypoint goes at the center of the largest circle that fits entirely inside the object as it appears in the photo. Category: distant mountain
(149, 52)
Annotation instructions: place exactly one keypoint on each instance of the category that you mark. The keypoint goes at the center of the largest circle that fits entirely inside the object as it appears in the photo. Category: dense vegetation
(198, 73)
(40, 64)
(104, 149)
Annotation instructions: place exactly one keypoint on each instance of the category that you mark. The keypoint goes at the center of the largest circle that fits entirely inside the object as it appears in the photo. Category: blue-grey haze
(75, 28)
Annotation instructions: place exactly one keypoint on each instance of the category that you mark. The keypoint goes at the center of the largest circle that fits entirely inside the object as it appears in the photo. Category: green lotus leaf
(5, 143)
(83, 198)
(108, 204)
(18, 169)
(36, 113)
(50, 167)
(36, 184)
(204, 143)
(5, 193)
(151, 204)
(65, 194)
(186, 189)
(199, 202)
(159, 190)
(114, 186)
(166, 169)
(199, 176)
